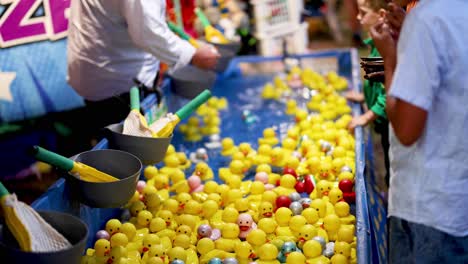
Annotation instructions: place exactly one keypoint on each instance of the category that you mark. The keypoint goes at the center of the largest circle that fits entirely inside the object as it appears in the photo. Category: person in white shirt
(113, 42)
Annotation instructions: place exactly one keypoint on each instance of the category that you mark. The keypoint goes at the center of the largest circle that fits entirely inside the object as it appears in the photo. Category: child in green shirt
(370, 11)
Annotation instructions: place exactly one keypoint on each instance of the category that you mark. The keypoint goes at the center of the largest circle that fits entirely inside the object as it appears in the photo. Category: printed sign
(33, 59)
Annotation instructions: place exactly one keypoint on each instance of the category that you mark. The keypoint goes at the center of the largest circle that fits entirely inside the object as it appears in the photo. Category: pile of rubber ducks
(296, 209)
(206, 122)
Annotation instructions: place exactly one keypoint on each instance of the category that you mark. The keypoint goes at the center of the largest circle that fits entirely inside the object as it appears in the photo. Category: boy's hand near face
(394, 18)
(384, 43)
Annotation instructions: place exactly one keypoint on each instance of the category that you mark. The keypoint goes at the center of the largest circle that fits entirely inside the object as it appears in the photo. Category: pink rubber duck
(246, 224)
(195, 184)
(263, 177)
(206, 231)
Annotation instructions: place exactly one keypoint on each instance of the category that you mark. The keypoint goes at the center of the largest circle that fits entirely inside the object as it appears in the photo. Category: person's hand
(361, 120)
(384, 43)
(394, 18)
(206, 57)
(354, 96)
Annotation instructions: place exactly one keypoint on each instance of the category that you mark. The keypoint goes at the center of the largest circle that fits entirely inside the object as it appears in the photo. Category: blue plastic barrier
(242, 92)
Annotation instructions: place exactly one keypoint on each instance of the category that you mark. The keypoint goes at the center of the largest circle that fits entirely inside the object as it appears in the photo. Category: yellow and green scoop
(82, 171)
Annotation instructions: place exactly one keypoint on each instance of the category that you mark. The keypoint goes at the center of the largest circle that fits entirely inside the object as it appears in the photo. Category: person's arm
(149, 31)
(412, 83)
(379, 106)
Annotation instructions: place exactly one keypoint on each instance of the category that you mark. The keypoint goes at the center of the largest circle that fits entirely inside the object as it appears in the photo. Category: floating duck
(143, 219)
(269, 92)
(244, 253)
(205, 231)
(268, 225)
(209, 209)
(295, 224)
(322, 189)
(256, 239)
(206, 249)
(295, 258)
(227, 147)
(311, 215)
(331, 224)
(191, 130)
(184, 162)
(277, 156)
(172, 165)
(159, 226)
(99, 254)
(195, 184)
(229, 237)
(118, 239)
(211, 125)
(113, 226)
(291, 107)
(286, 249)
(339, 259)
(118, 255)
(343, 248)
(306, 233)
(177, 253)
(152, 202)
(282, 217)
(270, 196)
(149, 241)
(214, 142)
(246, 225)
(172, 205)
(156, 251)
(289, 146)
(267, 254)
(263, 155)
(265, 210)
(203, 171)
(269, 137)
(287, 183)
(313, 252)
(342, 211)
(187, 230)
(335, 195)
(149, 172)
(200, 155)
(168, 217)
(183, 241)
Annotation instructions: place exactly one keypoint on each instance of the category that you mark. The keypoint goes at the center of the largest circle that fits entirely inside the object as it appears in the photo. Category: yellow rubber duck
(313, 252)
(229, 237)
(322, 189)
(270, 196)
(240, 156)
(194, 208)
(269, 137)
(184, 162)
(177, 253)
(118, 255)
(183, 199)
(168, 217)
(118, 239)
(339, 259)
(263, 155)
(172, 205)
(158, 226)
(211, 125)
(267, 254)
(99, 254)
(257, 188)
(149, 172)
(209, 209)
(265, 210)
(343, 248)
(203, 171)
(311, 215)
(191, 130)
(342, 211)
(295, 258)
(244, 253)
(143, 219)
(289, 146)
(113, 226)
(306, 233)
(172, 166)
(291, 107)
(268, 225)
(295, 224)
(331, 224)
(206, 249)
(282, 217)
(292, 162)
(287, 183)
(277, 156)
(230, 215)
(156, 251)
(256, 239)
(227, 147)
(269, 92)
(152, 202)
(187, 230)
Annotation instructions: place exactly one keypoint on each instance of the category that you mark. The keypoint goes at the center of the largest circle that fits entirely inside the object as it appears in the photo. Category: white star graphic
(6, 78)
